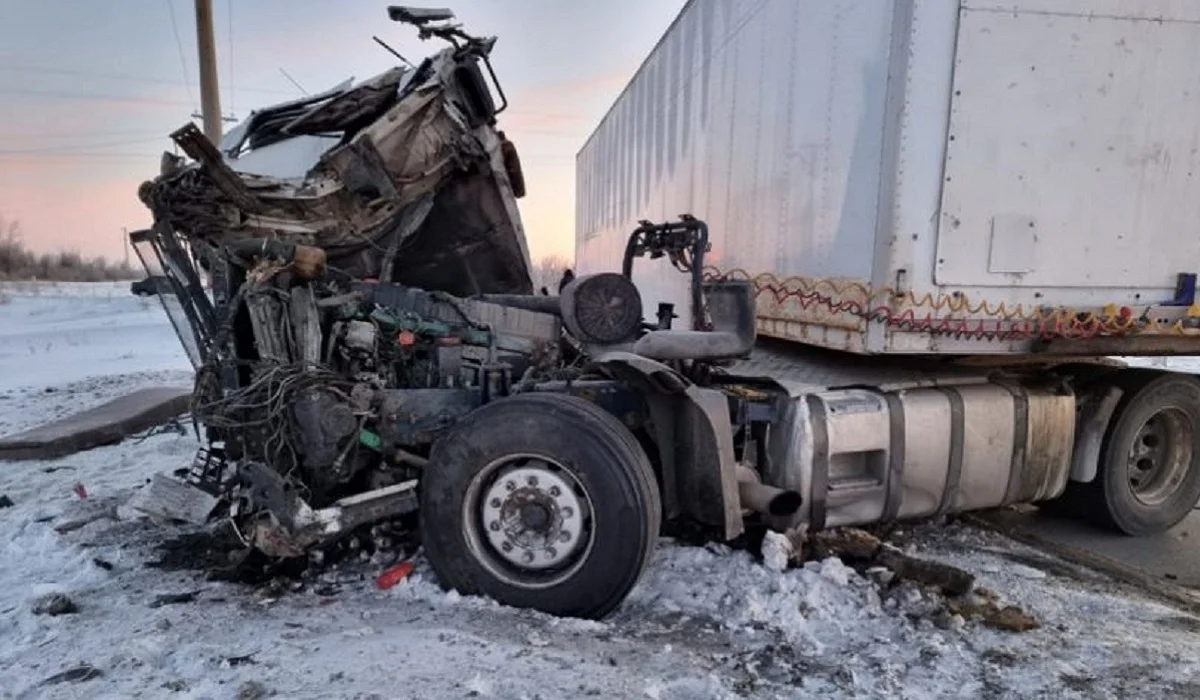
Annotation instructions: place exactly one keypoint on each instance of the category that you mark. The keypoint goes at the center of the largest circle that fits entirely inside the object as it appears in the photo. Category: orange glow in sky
(87, 99)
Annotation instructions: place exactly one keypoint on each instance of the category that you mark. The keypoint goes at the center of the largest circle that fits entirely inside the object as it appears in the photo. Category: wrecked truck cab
(409, 159)
(371, 346)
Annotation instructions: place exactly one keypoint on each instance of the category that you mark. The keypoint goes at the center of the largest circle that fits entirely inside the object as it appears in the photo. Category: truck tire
(1149, 476)
(540, 501)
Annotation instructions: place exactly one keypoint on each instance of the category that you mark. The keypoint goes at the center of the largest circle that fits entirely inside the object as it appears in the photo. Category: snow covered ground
(704, 623)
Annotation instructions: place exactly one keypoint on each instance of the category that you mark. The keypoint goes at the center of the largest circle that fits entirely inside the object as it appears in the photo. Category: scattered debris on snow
(54, 604)
(705, 622)
(77, 674)
(252, 690)
(174, 599)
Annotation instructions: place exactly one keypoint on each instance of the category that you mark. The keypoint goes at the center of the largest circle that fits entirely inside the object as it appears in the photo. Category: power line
(84, 154)
(77, 147)
(21, 68)
(9, 135)
(180, 103)
(187, 83)
(61, 94)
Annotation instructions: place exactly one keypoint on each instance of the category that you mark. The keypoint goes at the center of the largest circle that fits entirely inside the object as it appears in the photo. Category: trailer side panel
(921, 176)
(763, 117)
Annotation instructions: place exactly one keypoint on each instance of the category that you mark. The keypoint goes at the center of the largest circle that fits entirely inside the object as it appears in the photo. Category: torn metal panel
(173, 499)
(305, 326)
(233, 140)
(403, 174)
(286, 159)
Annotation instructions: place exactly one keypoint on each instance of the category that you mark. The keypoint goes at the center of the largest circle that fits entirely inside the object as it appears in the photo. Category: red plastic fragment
(394, 575)
(80, 490)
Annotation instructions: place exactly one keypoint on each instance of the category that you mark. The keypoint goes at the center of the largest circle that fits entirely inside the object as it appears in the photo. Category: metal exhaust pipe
(765, 499)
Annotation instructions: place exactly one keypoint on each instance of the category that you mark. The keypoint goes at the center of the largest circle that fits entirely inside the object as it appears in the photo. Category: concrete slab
(105, 424)
(1173, 555)
(1166, 564)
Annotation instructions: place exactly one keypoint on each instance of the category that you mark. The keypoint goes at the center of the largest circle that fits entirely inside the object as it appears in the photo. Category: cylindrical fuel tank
(861, 456)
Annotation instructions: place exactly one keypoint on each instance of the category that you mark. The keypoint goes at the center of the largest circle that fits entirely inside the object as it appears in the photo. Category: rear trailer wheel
(540, 501)
(1149, 477)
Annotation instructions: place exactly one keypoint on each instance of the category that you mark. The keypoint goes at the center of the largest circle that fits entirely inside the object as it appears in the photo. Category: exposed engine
(352, 384)
(370, 288)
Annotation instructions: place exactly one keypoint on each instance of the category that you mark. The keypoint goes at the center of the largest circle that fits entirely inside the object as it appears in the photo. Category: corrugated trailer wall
(916, 175)
(760, 117)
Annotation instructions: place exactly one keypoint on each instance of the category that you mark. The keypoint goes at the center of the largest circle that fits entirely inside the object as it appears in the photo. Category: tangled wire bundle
(262, 407)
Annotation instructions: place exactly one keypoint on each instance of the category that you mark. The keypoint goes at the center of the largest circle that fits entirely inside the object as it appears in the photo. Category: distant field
(52, 332)
(66, 289)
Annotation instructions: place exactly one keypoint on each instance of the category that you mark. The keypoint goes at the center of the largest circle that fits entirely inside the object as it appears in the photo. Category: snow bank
(704, 623)
(54, 334)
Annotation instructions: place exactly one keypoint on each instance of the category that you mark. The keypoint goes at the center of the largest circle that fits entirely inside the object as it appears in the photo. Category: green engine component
(370, 440)
(429, 329)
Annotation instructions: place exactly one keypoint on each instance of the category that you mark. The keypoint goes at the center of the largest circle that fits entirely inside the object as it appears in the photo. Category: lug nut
(495, 503)
(529, 557)
(506, 546)
(495, 526)
(532, 481)
(568, 512)
(551, 552)
(554, 492)
(564, 537)
(510, 485)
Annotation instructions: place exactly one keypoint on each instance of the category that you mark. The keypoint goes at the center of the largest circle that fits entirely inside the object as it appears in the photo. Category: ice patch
(776, 551)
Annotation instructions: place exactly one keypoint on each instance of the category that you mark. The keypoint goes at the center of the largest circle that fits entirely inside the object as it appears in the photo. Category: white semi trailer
(952, 212)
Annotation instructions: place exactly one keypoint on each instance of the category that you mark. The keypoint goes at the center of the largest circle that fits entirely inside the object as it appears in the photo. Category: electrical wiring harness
(955, 314)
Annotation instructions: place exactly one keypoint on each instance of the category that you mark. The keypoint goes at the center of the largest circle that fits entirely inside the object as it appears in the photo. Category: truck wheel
(540, 501)
(1149, 476)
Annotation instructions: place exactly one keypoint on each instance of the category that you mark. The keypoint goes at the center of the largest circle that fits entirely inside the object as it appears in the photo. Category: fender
(691, 426)
(1089, 434)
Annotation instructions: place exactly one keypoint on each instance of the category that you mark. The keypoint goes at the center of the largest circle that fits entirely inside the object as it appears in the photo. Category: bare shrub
(19, 263)
(548, 272)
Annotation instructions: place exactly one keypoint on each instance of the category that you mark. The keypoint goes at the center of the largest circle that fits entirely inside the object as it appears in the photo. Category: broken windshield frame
(464, 44)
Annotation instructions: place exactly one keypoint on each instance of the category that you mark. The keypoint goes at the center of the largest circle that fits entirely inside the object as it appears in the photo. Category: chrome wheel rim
(528, 520)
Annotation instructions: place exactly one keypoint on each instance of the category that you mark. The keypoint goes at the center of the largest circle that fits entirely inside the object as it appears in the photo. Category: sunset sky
(90, 89)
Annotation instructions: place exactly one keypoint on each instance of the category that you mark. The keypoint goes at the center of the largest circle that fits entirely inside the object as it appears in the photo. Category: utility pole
(210, 100)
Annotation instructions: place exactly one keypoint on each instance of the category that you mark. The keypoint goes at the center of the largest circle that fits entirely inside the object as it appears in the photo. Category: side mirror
(418, 15)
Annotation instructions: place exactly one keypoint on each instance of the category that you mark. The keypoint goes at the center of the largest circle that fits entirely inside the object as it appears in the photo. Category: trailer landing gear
(1149, 477)
(540, 501)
